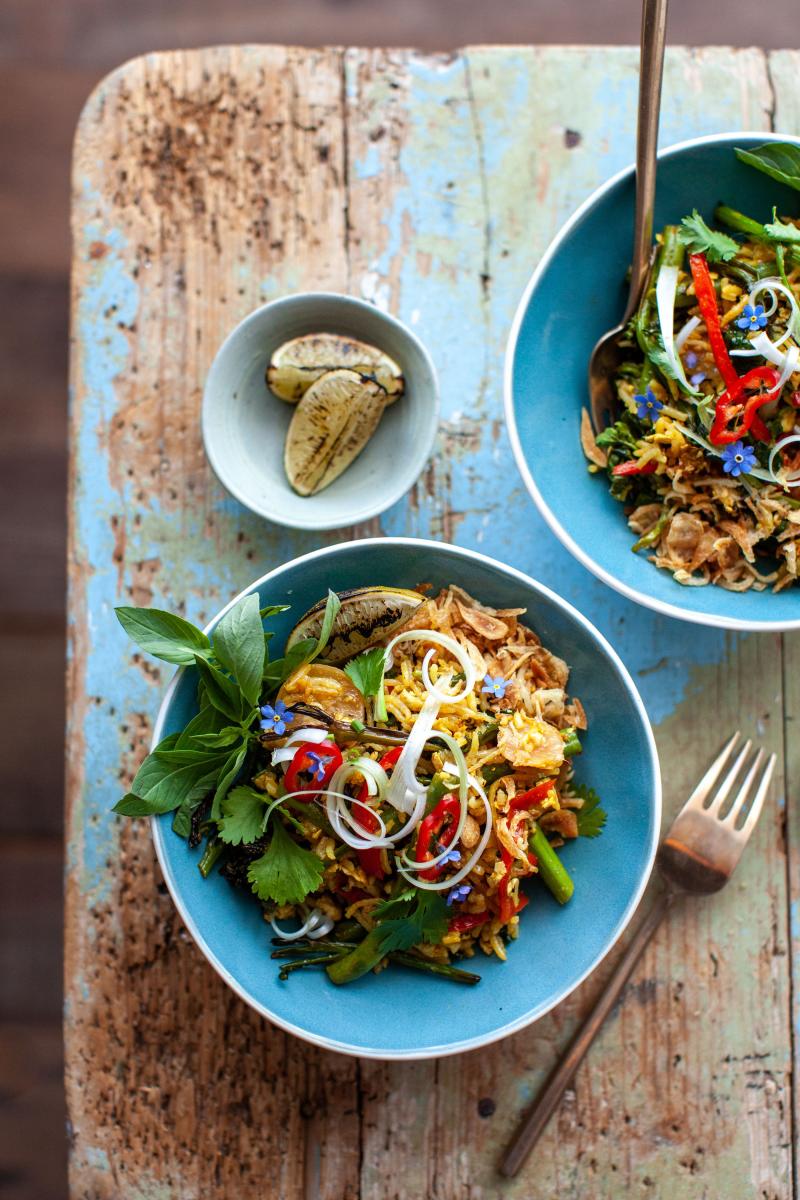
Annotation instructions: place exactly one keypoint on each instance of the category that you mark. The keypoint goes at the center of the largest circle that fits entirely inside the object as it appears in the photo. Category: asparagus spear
(211, 854)
(552, 871)
(445, 970)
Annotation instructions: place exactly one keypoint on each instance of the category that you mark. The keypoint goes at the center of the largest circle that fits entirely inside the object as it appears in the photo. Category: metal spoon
(607, 354)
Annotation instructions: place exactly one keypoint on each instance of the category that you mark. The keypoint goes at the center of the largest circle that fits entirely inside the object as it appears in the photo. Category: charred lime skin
(385, 610)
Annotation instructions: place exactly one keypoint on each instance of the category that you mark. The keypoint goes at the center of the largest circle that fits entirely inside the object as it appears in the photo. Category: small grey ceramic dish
(244, 424)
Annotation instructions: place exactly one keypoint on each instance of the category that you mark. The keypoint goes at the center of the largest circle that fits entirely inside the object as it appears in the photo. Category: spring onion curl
(682, 337)
(447, 643)
(318, 925)
(666, 287)
(757, 345)
(459, 769)
(444, 884)
(364, 840)
(781, 478)
(405, 789)
(308, 733)
(756, 472)
(344, 824)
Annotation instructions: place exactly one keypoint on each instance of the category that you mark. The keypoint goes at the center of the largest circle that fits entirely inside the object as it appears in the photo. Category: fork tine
(729, 780)
(758, 801)
(743, 794)
(700, 793)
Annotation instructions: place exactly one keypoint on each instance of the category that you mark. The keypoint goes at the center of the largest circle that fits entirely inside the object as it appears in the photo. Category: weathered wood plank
(783, 75)
(205, 183)
(223, 185)
(422, 229)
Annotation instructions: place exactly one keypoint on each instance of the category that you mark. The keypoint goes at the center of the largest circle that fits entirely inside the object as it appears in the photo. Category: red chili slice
(632, 468)
(327, 757)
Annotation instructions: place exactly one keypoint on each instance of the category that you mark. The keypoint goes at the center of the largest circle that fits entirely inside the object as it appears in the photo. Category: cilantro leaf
(699, 239)
(409, 919)
(591, 818)
(242, 816)
(782, 231)
(366, 672)
(286, 873)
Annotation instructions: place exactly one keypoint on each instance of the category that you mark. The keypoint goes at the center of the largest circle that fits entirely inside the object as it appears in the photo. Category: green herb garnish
(367, 672)
(591, 818)
(700, 239)
(286, 873)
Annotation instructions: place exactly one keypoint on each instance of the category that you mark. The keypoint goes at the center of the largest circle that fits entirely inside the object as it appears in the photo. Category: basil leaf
(240, 648)
(228, 775)
(164, 635)
(301, 652)
(160, 787)
(779, 160)
(332, 606)
(221, 691)
(182, 821)
(272, 610)
(214, 741)
(208, 720)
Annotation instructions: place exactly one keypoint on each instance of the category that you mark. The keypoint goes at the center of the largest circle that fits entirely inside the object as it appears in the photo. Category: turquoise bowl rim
(716, 620)
(456, 1047)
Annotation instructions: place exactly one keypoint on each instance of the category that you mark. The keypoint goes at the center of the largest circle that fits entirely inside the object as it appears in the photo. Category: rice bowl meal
(385, 787)
(705, 454)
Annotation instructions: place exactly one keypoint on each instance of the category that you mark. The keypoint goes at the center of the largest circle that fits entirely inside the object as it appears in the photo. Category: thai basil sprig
(234, 676)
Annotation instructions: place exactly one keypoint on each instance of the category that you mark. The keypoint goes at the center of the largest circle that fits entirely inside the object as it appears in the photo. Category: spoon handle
(651, 70)
(535, 1120)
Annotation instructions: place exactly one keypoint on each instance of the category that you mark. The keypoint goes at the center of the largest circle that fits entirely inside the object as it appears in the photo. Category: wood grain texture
(205, 183)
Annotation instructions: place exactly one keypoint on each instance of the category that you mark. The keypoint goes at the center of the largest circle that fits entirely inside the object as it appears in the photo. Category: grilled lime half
(297, 364)
(368, 615)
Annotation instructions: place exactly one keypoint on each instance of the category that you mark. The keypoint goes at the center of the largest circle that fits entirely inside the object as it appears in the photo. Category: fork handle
(548, 1099)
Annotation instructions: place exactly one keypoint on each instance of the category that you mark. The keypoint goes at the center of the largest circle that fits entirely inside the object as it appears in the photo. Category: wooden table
(204, 184)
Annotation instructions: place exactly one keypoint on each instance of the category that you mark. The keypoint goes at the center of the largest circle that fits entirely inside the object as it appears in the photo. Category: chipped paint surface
(204, 184)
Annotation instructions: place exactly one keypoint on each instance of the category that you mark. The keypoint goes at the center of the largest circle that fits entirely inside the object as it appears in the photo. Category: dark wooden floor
(52, 52)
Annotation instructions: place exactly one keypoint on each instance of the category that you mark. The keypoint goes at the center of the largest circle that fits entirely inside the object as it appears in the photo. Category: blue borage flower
(458, 893)
(697, 378)
(494, 685)
(690, 359)
(452, 856)
(277, 718)
(647, 406)
(738, 459)
(319, 763)
(752, 318)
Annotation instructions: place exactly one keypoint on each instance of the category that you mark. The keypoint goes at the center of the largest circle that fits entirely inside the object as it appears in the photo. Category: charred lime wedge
(297, 364)
(329, 428)
(367, 616)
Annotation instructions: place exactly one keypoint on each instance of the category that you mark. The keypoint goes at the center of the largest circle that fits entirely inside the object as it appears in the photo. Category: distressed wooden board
(204, 184)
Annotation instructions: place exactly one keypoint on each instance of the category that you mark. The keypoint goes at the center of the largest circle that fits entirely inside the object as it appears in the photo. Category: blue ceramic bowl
(577, 292)
(399, 1013)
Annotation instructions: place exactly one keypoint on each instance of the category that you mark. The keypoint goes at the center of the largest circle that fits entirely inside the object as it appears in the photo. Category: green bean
(444, 970)
(211, 854)
(651, 537)
(572, 744)
(552, 871)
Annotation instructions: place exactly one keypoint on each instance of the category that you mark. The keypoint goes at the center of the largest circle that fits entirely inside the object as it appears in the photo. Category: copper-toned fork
(697, 857)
